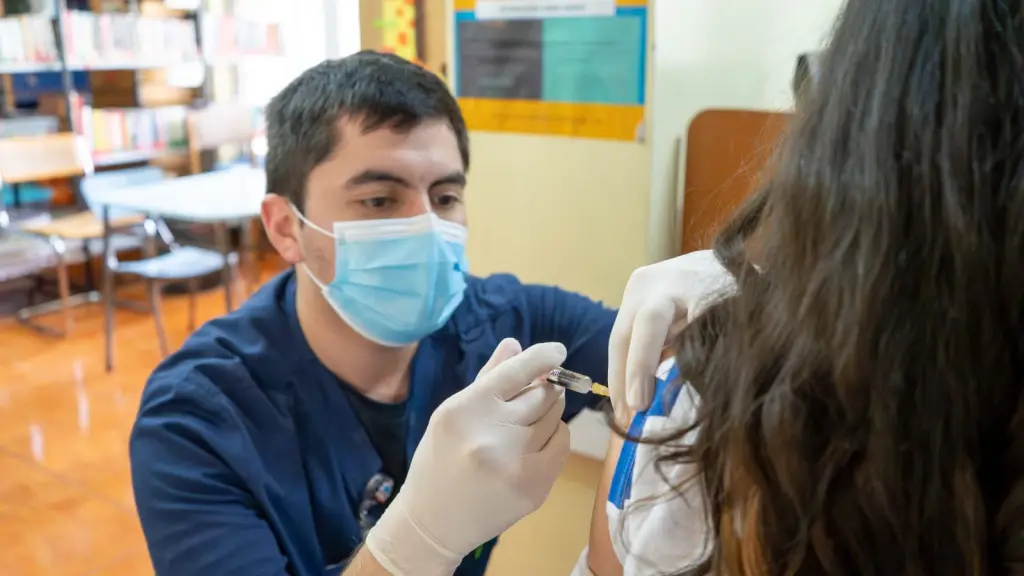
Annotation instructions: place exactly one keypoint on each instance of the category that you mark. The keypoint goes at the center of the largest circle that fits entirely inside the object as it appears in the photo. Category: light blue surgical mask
(395, 280)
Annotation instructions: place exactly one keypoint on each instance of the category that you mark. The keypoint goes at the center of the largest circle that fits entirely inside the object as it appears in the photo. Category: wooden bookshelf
(6, 94)
(138, 54)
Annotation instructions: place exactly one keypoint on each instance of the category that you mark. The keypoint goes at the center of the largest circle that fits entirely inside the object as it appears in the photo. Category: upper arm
(601, 557)
(579, 323)
(197, 516)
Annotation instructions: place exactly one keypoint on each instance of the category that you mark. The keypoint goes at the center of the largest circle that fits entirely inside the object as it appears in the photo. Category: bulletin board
(554, 67)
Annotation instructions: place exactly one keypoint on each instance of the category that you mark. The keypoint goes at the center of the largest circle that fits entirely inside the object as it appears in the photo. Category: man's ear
(281, 224)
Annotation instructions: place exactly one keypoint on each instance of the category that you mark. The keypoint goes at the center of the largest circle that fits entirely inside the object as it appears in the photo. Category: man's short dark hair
(382, 90)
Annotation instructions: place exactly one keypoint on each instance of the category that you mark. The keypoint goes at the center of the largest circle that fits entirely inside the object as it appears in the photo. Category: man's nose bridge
(418, 204)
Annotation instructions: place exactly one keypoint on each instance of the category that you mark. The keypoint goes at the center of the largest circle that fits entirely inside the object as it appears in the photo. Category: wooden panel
(79, 226)
(35, 158)
(371, 36)
(5, 79)
(435, 35)
(108, 5)
(178, 164)
(727, 153)
(158, 8)
(156, 95)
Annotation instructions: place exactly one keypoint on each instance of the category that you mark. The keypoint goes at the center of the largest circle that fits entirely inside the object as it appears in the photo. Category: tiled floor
(65, 494)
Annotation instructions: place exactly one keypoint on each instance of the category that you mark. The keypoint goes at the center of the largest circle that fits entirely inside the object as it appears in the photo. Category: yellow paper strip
(582, 120)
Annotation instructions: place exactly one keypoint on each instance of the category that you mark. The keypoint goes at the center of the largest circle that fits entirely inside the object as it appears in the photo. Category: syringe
(576, 382)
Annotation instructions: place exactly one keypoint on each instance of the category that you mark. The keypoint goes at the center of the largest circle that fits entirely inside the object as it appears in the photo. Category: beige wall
(558, 211)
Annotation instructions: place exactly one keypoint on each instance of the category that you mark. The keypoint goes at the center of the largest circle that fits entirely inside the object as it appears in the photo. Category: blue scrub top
(247, 457)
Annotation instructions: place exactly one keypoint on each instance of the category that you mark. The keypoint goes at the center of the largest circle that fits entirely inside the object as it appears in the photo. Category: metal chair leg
(248, 260)
(63, 284)
(193, 288)
(221, 234)
(154, 288)
(108, 315)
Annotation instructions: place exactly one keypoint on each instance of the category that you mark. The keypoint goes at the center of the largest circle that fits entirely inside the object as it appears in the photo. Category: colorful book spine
(136, 130)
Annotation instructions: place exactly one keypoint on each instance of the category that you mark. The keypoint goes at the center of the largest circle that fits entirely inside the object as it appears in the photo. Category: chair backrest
(117, 179)
(43, 157)
(727, 153)
(220, 124)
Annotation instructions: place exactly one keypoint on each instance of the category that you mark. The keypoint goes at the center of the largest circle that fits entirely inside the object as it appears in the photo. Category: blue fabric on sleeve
(665, 393)
(583, 325)
(197, 514)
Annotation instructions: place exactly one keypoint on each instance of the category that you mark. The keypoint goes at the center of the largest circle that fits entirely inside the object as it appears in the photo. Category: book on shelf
(105, 39)
(138, 132)
(98, 40)
(28, 39)
(227, 37)
(125, 40)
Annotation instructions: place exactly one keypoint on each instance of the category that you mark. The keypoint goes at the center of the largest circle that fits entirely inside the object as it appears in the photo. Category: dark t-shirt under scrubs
(250, 458)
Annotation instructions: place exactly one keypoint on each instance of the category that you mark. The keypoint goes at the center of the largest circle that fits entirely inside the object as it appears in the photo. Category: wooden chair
(41, 158)
(727, 153)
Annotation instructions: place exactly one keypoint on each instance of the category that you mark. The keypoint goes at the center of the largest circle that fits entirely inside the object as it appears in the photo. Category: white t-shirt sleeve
(659, 529)
(582, 567)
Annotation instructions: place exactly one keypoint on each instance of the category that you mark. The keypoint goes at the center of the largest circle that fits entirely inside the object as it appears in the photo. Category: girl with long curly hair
(854, 407)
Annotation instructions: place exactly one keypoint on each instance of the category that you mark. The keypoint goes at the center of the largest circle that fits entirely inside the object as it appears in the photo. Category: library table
(220, 198)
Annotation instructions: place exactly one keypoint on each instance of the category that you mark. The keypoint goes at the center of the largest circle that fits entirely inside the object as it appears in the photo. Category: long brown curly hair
(860, 406)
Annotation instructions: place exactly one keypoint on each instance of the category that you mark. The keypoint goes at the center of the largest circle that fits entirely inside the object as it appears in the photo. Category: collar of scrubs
(317, 388)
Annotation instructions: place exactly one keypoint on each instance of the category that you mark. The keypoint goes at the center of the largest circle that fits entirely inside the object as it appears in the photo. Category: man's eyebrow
(458, 178)
(375, 176)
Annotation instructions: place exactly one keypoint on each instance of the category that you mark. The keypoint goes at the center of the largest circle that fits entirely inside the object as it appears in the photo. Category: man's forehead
(433, 133)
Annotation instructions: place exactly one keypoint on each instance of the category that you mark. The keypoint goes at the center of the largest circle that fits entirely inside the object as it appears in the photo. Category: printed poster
(556, 67)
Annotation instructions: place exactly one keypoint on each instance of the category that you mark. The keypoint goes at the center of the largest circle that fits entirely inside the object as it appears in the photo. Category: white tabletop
(219, 196)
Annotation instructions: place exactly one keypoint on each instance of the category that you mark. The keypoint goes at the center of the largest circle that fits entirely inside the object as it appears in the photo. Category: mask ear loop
(308, 222)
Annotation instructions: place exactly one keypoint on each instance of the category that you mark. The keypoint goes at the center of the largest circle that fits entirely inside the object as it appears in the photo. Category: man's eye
(446, 200)
(376, 202)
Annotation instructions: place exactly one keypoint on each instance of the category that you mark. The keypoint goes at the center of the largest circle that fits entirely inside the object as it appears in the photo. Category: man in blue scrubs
(273, 440)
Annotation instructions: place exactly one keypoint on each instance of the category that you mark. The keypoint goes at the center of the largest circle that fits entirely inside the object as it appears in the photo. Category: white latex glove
(660, 299)
(490, 456)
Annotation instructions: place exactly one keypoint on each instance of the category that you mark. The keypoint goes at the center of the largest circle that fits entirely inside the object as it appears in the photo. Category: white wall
(718, 54)
(341, 19)
(312, 31)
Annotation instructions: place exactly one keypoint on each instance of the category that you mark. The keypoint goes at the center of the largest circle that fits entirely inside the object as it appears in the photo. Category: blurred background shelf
(111, 70)
(125, 76)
